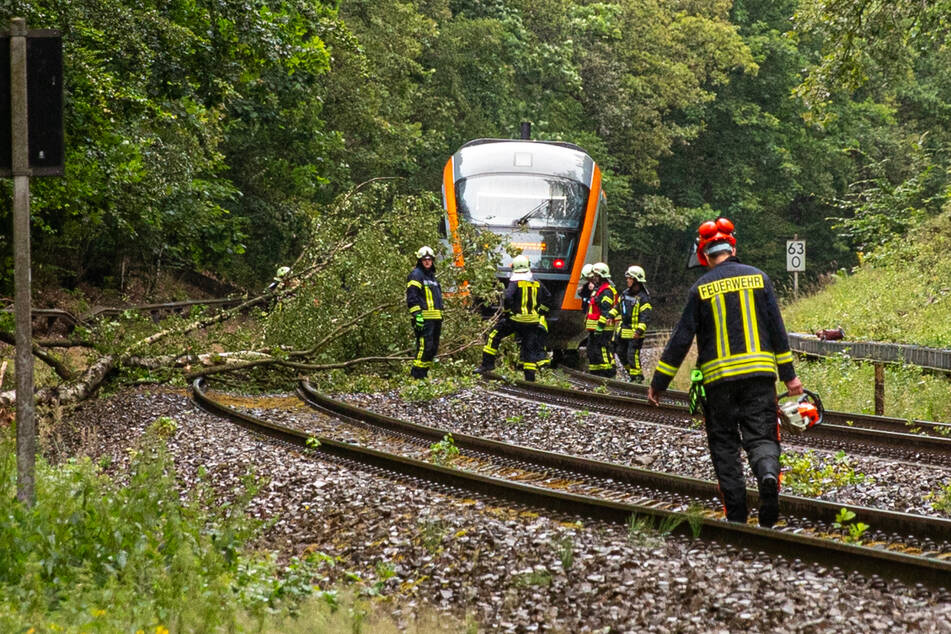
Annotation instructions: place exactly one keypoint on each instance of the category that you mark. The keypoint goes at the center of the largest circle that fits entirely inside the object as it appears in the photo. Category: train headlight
(558, 264)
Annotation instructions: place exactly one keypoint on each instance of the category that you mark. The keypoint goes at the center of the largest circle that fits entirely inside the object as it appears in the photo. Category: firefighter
(524, 305)
(279, 277)
(587, 286)
(424, 300)
(602, 311)
(741, 348)
(635, 308)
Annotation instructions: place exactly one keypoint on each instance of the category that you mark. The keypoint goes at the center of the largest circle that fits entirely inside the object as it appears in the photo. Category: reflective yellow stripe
(719, 326)
(666, 368)
(642, 326)
(531, 318)
(414, 309)
(421, 343)
(627, 333)
(414, 283)
(784, 357)
(432, 314)
(738, 365)
(750, 324)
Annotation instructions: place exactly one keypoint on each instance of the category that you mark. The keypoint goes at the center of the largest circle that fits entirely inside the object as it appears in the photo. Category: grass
(849, 386)
(900, 294)
(96, 555)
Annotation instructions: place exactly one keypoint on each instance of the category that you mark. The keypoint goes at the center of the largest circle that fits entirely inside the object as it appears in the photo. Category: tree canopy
(207, 134)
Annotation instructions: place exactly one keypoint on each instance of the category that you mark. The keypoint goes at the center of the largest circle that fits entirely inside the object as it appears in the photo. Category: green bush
(96, 556)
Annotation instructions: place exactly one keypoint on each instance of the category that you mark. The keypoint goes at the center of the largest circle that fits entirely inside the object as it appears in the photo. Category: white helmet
(600, 268)
(586, 271)
(521, 264)
(637, 273)
(425, 252)
(282, 271)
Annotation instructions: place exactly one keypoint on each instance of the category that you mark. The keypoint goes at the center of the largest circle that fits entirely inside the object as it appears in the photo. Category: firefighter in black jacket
(635, 307)
(602, 312)
(424, 299)
(524, 304)
(741, 348)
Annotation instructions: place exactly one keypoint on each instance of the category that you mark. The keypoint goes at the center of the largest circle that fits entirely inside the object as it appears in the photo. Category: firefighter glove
(418, 321)
(599, 327)
(543, 323)
(697, 395)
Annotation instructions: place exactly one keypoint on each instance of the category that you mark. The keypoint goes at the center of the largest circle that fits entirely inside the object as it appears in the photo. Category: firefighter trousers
(427, 344)
(629, 351)
(742, 413)
(530, 352)
(600, 353)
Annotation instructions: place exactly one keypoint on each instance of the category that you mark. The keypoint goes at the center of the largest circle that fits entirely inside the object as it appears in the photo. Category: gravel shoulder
(509, 569)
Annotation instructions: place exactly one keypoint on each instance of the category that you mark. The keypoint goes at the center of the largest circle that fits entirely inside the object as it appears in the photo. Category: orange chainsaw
(801, 414)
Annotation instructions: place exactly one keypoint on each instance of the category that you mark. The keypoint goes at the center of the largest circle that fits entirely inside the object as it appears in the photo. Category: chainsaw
(799, 415)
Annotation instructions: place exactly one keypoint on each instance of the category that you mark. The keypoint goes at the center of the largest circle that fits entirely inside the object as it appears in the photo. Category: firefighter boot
(488, 364)
(768, 501)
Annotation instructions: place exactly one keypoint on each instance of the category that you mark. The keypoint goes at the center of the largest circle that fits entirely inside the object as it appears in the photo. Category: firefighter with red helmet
(635, 308)
(742, 347)
(599, 322)
(424, 300)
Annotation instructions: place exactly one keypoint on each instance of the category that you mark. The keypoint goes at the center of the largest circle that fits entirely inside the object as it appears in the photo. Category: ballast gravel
(884, 484)
(508, 569)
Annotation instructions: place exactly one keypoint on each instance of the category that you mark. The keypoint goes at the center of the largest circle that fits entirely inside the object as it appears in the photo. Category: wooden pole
(25, 418)
(879, 389)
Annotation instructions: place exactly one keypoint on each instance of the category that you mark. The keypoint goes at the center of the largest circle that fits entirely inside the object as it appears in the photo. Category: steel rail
(845, 419)
(914, 448)
(877, 563)
(807, 508)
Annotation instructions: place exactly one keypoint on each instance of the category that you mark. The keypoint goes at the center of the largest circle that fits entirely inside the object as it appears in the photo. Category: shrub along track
(556, 480)
(909, 447)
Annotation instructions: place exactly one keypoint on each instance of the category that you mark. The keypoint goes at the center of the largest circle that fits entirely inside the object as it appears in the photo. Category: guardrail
(937, 359)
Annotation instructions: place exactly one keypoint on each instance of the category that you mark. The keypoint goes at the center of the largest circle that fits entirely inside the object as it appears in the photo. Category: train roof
(506, 156)
(558, 143)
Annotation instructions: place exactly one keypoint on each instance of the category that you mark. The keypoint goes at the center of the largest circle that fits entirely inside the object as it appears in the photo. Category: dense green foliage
(207, 134)
(97, 555)
(364, 247)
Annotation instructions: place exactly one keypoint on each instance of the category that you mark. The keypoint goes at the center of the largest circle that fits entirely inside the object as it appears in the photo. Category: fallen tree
(340, 306)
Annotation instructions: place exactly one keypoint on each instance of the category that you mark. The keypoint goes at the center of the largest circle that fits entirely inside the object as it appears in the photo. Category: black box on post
(44, 87)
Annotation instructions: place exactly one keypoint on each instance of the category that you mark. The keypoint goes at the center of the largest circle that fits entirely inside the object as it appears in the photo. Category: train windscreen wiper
(543, 205)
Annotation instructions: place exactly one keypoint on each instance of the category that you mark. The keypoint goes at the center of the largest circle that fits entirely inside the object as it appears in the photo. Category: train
(546, 198)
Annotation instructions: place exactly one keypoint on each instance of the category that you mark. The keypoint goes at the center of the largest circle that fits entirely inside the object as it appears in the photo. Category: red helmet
(712, 231)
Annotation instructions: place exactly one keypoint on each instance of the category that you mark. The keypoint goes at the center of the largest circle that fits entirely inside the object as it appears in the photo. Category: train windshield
(541, 214)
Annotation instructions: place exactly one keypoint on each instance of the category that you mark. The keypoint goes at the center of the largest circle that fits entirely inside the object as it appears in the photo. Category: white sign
(795, 255)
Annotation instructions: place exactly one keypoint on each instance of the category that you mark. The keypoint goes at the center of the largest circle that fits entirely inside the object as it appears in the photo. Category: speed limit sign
(795, 255)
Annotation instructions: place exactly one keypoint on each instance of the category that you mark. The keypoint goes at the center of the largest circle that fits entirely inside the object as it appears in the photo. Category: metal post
(879, 389)
(795, 276)
(25, 419)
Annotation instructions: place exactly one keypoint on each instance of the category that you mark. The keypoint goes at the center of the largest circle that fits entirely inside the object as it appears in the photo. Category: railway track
(916, 448)
(916, 551)
(842, 419)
